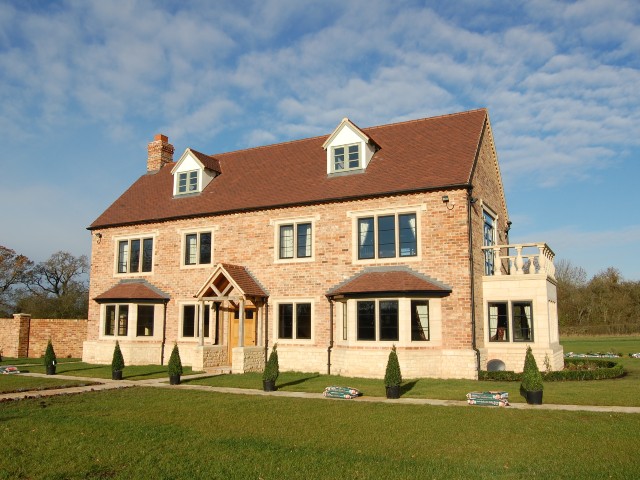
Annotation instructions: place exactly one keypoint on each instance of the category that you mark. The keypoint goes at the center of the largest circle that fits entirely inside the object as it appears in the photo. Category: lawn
(157, 433)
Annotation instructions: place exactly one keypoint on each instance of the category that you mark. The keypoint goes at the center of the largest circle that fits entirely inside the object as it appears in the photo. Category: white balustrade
(529, 259)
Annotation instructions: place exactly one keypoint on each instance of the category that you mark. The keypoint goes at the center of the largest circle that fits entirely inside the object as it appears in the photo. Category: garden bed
(574, 369)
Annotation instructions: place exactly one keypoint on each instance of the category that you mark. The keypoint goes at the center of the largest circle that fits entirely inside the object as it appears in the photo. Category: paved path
(107, 384)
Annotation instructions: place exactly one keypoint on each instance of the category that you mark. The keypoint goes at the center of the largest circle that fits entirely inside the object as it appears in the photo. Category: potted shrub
(393, 376)
(50, 359)
(531, 385)
(175, 366)
(271, 371)
(117, 363)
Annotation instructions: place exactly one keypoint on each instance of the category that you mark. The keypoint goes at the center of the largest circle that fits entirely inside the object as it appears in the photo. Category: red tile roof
(390, 280)
(245, 281)
(417, 155)
(132, 290)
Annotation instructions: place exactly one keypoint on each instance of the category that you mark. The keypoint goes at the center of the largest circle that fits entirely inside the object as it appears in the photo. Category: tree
(56, 289)
(14, 269)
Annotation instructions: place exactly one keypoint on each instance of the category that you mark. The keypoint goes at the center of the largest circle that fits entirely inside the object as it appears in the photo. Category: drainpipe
(470, 202)
(330, 336)
(266, 329)
(164, 332)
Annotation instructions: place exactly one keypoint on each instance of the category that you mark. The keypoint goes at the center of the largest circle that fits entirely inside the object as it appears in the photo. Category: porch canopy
(231, 283)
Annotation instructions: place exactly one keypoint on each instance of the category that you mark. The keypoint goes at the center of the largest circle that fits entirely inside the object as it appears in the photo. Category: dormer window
(346, 157)
(349, 149)
(187, 182)
(193, 172)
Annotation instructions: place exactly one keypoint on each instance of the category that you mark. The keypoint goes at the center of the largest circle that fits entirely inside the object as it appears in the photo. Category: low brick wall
(23, 336)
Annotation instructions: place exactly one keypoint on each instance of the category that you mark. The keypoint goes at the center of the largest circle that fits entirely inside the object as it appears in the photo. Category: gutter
(164, 332)
(474, 346)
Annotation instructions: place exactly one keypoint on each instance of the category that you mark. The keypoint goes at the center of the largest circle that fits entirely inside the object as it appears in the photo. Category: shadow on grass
(298, 381)
(407, 387)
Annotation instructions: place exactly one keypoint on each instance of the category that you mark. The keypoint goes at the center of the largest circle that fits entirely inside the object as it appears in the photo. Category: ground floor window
(377, 320)
(122, 319)
(294, 320)
(145, 320)
(419, 320)
(510, 321)
(191, 323)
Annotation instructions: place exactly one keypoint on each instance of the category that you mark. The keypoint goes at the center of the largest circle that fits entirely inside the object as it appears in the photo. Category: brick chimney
(160, 152)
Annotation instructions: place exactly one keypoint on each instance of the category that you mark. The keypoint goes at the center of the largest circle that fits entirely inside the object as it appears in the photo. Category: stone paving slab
(163, 382)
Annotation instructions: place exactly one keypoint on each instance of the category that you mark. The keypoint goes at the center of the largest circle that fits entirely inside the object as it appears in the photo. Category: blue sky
(84, 86)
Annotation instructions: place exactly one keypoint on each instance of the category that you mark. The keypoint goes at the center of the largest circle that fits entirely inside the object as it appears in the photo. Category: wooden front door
(249, 328)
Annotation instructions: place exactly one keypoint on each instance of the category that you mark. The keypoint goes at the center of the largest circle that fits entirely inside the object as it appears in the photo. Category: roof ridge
(436, 117)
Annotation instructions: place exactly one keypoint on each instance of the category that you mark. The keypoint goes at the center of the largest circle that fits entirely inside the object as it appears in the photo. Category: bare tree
(14, 269)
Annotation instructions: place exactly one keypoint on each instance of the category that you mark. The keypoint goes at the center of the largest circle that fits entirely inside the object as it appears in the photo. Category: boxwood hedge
(574, 369)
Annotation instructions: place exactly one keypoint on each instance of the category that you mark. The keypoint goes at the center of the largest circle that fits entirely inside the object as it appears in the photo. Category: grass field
(163, 433)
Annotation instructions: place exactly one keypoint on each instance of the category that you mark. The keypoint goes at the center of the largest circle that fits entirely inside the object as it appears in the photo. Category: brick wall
(23, 336)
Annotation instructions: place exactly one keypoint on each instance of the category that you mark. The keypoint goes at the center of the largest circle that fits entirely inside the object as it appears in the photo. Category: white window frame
(132, 320)
(489, 255)
(510, 333)
(276, 323)
(183, 249)
(347, 318)
(377, 326)
(277, 224)
(356, 216)
(129, 239)
(346, 157)
(188, 175)
(196, 327)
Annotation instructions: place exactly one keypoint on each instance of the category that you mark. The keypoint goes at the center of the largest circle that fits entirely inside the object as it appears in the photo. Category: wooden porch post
(241, 324)
(201, 323)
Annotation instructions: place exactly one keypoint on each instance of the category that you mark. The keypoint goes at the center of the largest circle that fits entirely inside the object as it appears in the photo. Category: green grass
(19, 383)
(131, 372)
(624, 345)
(33, 361)
(156, 433)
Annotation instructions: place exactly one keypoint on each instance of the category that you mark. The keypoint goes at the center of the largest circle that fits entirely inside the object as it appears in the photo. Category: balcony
(528, 259)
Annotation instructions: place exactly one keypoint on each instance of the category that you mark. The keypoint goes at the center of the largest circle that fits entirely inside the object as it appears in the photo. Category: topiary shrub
(117, 363)
(49, 355)
(272, 368)
(531, 376)
(175, 364)
(393, 376)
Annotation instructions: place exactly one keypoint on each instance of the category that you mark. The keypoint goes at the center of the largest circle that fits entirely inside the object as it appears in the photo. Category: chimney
(160, 152)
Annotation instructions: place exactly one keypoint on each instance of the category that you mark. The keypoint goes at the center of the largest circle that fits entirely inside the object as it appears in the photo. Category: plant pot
(51, 369)
(116, 375)
(269, 385)
(534, 398)
(174, 379)
(393, 391)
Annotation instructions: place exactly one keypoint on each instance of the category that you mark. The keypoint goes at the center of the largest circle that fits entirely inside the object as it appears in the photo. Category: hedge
(600, 370)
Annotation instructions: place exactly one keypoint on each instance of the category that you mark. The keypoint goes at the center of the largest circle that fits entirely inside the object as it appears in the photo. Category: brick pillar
(23, 321)
(160, 152)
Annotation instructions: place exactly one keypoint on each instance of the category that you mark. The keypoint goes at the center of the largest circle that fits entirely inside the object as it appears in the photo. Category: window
(419, 320)
(145, 321)
(382, 314)
(521, 325)
(187, 182)
(135, 255)
(387, 236)
(197, 248)
(116, 320)
(346, 157)
(489, 241)
(294, 321)
(294, 240)
(190, 323)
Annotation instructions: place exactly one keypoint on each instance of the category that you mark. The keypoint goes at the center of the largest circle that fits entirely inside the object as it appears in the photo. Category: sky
(85, 85)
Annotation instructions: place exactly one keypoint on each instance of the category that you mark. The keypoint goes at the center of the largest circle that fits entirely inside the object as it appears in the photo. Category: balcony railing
(529, 259)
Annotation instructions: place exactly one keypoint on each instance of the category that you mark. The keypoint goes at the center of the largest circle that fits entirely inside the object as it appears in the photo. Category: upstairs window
(187, 182)
(295, 241)
(197, 248)
(135, 255)
(489, 240)
(346, 157)
(387, 236)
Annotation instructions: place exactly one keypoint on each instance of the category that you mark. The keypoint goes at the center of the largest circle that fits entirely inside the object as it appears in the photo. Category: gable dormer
(193, 172)
(348, 149)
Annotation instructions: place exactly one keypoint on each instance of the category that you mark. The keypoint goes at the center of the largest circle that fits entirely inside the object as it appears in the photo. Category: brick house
(336, 247)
